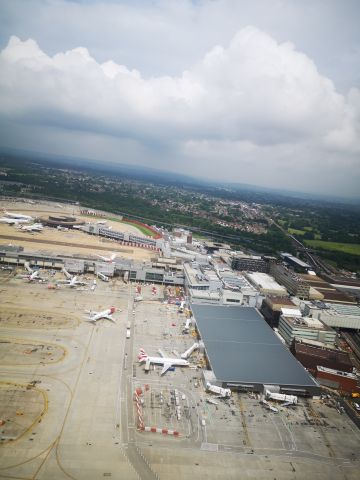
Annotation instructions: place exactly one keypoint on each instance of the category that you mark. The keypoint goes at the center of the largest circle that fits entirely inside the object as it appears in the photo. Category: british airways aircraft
(107, 314)
(16, 216)
(108, 259)
(166, 362)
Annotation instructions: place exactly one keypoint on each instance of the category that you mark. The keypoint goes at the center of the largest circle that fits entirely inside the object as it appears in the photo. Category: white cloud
(248, 102)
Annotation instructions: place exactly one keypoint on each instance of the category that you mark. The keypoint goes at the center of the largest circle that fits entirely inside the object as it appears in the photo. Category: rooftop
(280, 301)
(344, 309)
(264, 281)
(194, 275)
(306, 323)
(243, 349)
(296, 260)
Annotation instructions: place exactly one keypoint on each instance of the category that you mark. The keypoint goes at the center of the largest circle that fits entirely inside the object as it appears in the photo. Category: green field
(146, 231)
(352, 248)
(199, 236)
(294, 231)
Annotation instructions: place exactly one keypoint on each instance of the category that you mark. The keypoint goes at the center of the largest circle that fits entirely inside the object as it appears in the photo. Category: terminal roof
(243, 349)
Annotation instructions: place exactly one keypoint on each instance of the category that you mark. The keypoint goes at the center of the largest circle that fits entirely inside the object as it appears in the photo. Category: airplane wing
(90, 319)
(165, 368)
(161, 353)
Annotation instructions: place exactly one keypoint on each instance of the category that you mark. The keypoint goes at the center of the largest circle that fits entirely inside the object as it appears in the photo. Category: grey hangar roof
(242, 349)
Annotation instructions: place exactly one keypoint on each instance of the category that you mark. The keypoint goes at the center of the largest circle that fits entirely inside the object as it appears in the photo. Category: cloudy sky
(265, 92)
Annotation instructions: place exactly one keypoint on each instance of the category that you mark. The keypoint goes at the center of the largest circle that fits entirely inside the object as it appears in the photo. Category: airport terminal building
(244, 353)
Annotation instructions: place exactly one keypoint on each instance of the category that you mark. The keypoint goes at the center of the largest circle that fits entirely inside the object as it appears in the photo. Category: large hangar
(244, 353)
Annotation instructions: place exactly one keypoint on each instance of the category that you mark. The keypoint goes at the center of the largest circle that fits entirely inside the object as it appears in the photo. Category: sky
(265, 92)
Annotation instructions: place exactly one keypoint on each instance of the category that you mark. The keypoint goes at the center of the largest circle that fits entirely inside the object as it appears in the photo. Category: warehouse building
(244, 353)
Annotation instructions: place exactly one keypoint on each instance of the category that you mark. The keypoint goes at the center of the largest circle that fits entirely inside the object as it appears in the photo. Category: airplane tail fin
(142, 355)
(112, 310)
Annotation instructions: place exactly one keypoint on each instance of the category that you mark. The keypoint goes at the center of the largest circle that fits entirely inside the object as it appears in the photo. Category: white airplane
(35, 227)
(12, 221)
(107, 314)
(32, 274)
(108, 259)
(166, 362)
(16, 216)
(73, 282)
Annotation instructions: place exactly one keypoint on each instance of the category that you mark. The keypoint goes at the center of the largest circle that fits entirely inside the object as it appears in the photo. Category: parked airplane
(12, 221)
(166, 362)
(16, 216)
(35, 227)
(73, 282)
(108, 259)
(32, 274)
(107, 314)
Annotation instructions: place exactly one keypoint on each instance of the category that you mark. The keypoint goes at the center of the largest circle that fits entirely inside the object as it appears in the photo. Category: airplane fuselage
(164, 361)
(17, 216)
(174, 361)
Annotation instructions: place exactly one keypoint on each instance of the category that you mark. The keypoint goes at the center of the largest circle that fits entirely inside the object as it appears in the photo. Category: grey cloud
(188, 87)
(166, 36)
(245, 91)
